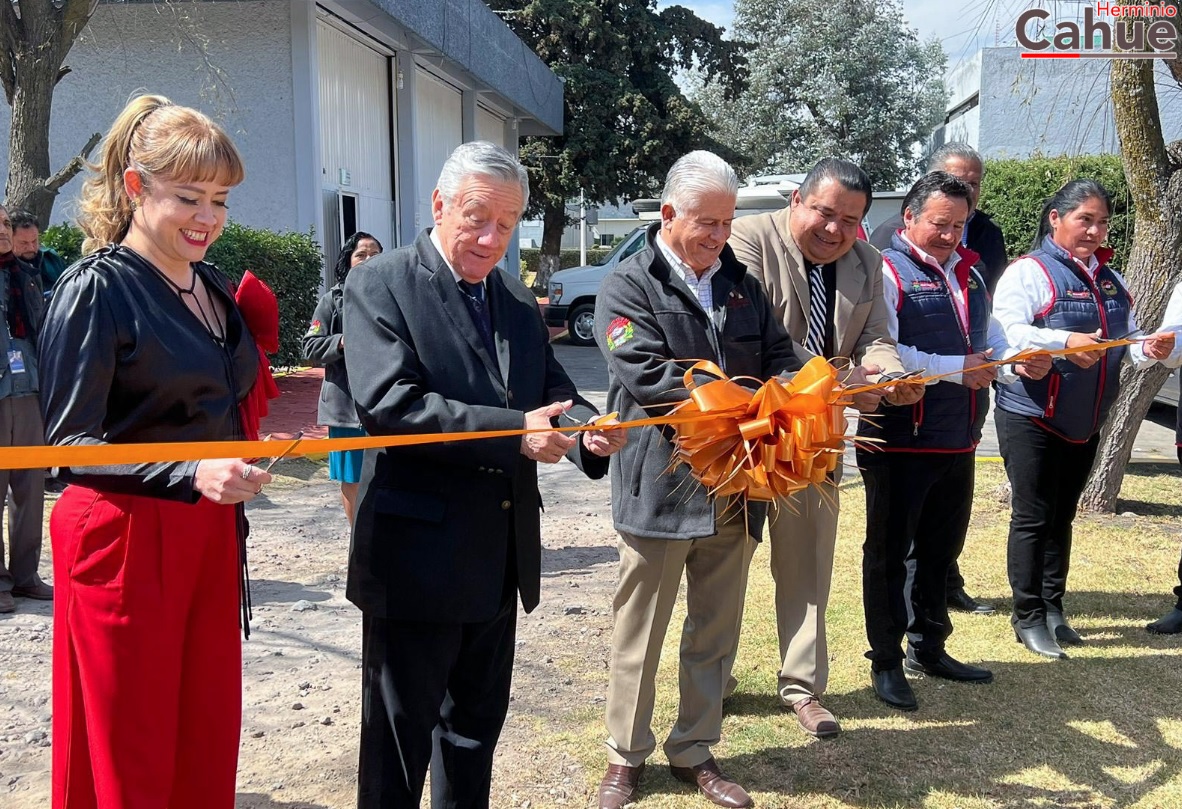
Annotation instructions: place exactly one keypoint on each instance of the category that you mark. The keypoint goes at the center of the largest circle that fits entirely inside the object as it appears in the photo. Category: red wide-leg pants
(147, 656)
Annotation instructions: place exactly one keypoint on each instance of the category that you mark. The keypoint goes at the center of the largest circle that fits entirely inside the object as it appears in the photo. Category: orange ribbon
(768, 442)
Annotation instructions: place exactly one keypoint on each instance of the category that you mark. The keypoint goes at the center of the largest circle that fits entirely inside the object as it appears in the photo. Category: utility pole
(582, 228)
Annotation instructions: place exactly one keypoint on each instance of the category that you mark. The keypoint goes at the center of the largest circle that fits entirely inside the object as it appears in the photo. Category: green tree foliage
(626, 120)
(849, 79)
(1013, 193)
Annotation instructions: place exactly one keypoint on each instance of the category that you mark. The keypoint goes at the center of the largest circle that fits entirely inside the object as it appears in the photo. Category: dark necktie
(473, 295)
(814, 341)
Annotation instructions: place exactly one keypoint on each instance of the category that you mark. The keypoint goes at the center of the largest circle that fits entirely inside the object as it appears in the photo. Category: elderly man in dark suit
(826, 287)
(448, 534)
(983, 237)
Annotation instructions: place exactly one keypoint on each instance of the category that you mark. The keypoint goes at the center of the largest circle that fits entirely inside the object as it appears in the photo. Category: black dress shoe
(958, 599)
(891, 687)
(1168, 624)
(947, 668)
(1038, 640)
(1060, 630)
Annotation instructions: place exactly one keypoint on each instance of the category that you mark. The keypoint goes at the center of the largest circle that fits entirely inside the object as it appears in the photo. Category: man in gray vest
(20, 424)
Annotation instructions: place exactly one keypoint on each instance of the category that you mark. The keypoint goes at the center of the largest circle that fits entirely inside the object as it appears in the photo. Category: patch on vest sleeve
(315, 329)
(619, 331)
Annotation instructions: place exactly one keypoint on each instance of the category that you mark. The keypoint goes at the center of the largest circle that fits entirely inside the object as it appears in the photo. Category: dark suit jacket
(436, 525)
(984, 238)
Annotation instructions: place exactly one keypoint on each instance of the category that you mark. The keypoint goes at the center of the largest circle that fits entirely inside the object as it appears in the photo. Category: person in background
(22, 308)
(143, 343)
(1061, 294)
(982, 236)
(1171, 622)
(324, 344)
(26, 243)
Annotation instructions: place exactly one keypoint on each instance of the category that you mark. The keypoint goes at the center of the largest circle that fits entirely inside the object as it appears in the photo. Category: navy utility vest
(1070, 401)
(949, 416)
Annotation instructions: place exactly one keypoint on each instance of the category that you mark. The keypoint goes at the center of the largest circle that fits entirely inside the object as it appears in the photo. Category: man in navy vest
(983, 237)
(919, 478)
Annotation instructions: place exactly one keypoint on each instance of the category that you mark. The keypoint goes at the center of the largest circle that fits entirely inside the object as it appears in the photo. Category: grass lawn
(1103, 729)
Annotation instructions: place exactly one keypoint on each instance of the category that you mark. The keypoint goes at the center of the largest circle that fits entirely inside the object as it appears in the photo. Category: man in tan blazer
(809, 254)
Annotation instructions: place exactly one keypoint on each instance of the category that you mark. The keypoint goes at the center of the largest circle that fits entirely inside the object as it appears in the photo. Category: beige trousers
(650, 575)
(802, 566)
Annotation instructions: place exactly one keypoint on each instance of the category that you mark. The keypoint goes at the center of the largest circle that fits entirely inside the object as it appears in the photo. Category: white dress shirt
(1024, 290)
(699, 285)
(1172, 321)
(931, 364)
(439, 246)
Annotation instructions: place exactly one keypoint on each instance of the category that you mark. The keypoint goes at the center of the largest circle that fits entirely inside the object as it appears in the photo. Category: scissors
(295, 440)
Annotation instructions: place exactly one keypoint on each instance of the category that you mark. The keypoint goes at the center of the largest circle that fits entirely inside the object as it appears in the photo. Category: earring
(135, 204)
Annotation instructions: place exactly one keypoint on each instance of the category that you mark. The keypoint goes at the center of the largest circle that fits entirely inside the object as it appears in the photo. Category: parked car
(1168, 395)
(572, 292)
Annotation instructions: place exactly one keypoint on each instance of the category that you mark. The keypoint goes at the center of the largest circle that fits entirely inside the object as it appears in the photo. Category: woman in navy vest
(1061, 294)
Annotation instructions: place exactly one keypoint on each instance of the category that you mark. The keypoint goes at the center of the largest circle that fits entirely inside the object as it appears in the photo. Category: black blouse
(123, 360)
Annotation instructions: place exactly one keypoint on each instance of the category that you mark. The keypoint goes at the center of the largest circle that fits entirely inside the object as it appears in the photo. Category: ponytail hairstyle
(1066, 200)
(160, 140)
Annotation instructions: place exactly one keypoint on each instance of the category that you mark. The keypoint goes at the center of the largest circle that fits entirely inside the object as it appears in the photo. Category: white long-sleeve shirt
(1172, 321)
(1024, 290)
(914, 359)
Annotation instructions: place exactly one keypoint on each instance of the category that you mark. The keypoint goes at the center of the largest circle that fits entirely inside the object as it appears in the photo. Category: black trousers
(433, 694)
(1047, 475)
(1178, 589)
(917, 514)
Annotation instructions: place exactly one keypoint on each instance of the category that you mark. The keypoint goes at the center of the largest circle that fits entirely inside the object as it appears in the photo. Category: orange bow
(766, 443)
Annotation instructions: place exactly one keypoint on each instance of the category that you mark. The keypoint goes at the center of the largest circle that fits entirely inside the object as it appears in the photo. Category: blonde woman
(143, 343)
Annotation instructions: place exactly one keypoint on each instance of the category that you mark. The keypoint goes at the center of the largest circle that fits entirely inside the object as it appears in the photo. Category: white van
(572, 292)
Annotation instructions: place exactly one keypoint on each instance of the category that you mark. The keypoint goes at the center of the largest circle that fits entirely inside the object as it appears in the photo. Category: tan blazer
(764, 243)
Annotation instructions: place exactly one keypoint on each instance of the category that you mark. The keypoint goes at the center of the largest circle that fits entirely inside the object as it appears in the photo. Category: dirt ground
(301, 666)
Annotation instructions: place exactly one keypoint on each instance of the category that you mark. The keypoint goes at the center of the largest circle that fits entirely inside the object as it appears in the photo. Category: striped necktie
(815, 340)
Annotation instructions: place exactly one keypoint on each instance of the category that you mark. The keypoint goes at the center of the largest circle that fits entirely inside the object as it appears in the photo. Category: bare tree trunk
(33, 45)
(1155, 263)
(553, 224)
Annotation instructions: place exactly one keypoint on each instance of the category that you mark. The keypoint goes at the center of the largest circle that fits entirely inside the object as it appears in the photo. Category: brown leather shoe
(714, 785)
(619, 786)
(6, 602)
(38, 592)
(815, 719)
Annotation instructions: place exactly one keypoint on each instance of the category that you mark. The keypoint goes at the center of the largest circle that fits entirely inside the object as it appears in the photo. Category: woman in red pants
(143, 343)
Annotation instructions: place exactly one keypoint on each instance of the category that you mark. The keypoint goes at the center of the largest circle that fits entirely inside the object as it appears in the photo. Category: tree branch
(76, 164)
(11, 27)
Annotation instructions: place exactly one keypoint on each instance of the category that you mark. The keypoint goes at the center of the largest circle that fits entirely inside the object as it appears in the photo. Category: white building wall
(439, 129)
(231, 61)
(355, 134)
(490, 127)
(1055, 107)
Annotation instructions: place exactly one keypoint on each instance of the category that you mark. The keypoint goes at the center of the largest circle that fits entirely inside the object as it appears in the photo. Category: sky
(963, 26)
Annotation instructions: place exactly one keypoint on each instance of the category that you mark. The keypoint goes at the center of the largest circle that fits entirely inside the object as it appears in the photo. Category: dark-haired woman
(324, 344)
(1061, 294)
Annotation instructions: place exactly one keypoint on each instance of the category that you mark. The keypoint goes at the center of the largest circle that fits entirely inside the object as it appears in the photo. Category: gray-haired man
(683, 296)
(446, 536)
